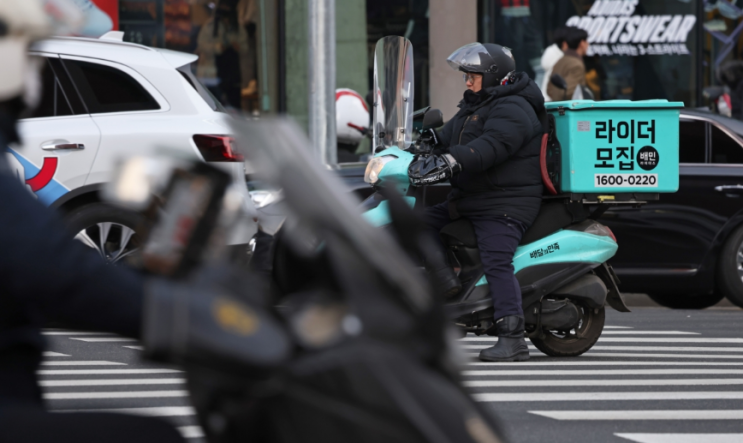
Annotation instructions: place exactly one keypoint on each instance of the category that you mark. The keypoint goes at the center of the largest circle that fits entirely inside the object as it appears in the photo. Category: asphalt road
(655, 376)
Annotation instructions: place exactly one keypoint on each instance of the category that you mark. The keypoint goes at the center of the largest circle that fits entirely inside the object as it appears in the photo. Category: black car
(686, 249)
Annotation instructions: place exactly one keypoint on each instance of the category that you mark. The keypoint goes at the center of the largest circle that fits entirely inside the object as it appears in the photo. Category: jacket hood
(524, 87)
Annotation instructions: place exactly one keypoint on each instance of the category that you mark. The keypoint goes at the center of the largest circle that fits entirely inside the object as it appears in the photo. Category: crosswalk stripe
(104, 371)
(112, 382)
(63, 332)
(525, 372)
(103, 339)
(157, 411)
(669, 340)
(584, 382)
(636, 340)
(636, 348)
(606, 396)
(680, 356)
(683, 414)
(191, 431)
(581, 362)
(668, 348)
(637, 355)
(54, 354)
(138, 348)
(683, 438)
(111, 395)
(81, 363)
(618, 327)
(630, 332)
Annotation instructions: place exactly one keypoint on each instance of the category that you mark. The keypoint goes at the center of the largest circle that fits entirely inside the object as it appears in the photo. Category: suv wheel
(730, 268)
(107, 229)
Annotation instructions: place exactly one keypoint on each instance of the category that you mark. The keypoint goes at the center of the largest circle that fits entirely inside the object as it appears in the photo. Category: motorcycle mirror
(713, 92)
(433, 119)
(418, 115)
(559, 81)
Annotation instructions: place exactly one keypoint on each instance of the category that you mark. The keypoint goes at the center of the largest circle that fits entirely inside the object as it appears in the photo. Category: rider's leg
(497, 239)
(442, 275)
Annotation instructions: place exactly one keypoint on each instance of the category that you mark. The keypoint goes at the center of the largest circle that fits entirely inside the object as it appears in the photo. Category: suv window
(201, 89)
(725, 149)
(106, 89)
(691, 141)
(53, 99)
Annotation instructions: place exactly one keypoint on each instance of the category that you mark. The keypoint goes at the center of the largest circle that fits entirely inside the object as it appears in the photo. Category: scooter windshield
(392, 112)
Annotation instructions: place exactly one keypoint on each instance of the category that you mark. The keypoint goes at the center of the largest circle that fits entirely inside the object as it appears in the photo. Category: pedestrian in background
(571, 66)
(551, 56)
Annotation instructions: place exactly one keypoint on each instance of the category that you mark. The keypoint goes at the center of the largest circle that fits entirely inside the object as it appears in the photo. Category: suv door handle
(59, 146)
(730, 189)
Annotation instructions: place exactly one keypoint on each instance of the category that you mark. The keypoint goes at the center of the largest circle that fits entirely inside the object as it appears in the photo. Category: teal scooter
(561, 263)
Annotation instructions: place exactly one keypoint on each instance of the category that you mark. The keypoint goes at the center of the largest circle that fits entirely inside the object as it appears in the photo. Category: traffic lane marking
(638, 348)
(105, 371)
(191, 431)
(527, 397)
(112, 382)
(103, 339)
(527, 372)
(683, 438)
(636, 355)
(634, 340)
(683, 414)
(81, 363)
(583, 382)
(155, 411)
(605, 363)
(112, 395)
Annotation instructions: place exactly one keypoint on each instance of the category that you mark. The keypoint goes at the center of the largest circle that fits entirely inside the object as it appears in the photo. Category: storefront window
(639, 50)
(225, 34)
(410, 20)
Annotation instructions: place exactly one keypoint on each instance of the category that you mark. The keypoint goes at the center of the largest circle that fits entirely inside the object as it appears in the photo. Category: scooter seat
(553, 216)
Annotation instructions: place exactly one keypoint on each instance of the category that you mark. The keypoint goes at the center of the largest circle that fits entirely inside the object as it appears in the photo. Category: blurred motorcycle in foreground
(363, 355)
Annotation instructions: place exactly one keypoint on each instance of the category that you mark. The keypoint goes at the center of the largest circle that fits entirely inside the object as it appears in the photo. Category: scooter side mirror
(433, 119)
(559, 81)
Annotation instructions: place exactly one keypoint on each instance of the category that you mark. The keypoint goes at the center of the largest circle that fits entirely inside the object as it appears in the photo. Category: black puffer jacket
(496, 136)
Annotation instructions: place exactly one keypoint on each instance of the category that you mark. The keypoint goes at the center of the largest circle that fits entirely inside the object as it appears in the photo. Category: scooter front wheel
(576, 341)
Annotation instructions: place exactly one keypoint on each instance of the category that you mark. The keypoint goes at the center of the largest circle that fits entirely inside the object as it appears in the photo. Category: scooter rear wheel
(576, 341)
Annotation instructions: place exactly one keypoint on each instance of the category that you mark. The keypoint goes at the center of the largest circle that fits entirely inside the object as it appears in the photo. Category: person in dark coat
(45, 276)
(492, 146)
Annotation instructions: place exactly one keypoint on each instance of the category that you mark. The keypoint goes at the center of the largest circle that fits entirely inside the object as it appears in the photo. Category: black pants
(32, 424)
(497, 240)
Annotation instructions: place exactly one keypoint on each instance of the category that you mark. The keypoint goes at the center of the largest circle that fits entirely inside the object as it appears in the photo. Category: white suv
(104, 100)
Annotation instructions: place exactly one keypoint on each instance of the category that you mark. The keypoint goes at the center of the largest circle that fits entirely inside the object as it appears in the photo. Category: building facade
(253, 53)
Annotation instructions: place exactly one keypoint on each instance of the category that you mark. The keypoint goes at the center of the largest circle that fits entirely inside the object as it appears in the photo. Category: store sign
(613, 29)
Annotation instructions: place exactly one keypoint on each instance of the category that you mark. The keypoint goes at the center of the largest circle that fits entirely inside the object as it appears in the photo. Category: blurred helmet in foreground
(351, 116)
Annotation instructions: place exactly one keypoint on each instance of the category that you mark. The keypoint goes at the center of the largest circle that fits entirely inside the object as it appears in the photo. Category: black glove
(432, 169)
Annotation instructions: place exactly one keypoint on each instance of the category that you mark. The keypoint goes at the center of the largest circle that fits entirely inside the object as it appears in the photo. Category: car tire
(730, 268)
(687, 301)
(109, 230)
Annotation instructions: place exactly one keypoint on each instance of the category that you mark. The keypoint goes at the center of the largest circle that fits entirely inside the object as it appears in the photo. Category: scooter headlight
(375, 166)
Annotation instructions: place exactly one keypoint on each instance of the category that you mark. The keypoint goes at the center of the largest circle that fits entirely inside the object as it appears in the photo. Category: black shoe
(445, 282)
(511, 345)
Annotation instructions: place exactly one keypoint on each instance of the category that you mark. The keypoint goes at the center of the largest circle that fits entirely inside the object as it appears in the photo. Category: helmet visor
(473, 58)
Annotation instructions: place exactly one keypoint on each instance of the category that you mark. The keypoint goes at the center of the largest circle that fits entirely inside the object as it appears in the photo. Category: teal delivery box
(618, 146)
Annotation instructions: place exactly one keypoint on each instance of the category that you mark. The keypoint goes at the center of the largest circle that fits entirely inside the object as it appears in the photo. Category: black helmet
(493, 61)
